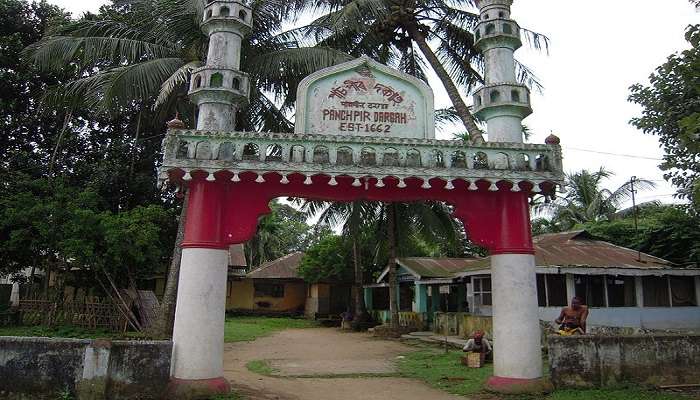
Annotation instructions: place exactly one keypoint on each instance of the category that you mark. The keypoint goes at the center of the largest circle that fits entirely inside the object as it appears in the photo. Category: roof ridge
(272, 262)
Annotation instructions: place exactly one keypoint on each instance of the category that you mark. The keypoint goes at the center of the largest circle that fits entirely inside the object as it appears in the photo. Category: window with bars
(591, 289)
(621, 291)
(482, 290)
(551, 290)
(669, 291)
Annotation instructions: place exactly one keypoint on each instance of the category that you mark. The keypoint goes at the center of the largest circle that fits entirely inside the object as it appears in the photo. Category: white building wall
(625, 317)
(636, 317)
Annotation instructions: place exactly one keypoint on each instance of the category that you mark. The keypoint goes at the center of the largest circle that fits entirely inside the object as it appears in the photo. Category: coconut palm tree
(586, 201)
(429, 221)
(143, 51)
(395, 227)
(398, 32)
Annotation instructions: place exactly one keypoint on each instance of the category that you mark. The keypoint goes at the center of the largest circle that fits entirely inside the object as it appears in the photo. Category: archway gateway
(363, 132)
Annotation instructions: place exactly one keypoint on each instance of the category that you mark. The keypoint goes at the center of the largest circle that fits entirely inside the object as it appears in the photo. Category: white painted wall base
(198, 336)
(516, 329)
(636, 317)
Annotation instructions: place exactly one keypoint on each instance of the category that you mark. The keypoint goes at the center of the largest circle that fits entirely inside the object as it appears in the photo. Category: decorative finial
(552, 140)
(176, 123)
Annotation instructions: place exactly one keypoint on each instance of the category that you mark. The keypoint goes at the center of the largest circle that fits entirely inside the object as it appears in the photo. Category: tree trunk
(135, 147)
(360, 307)
(66, 121)
(460, 106)
(163, 325)
(393, 283)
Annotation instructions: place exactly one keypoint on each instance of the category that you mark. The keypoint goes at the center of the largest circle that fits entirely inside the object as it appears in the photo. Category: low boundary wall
(600, 361)
(40, 368)
(461, 324)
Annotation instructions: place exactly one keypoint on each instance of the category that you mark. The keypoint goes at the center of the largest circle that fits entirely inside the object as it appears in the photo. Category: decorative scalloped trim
(537, 185)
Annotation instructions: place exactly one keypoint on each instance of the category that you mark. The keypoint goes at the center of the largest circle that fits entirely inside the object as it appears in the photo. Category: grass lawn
(245, 329)
(231, 396)
(444, 371)
(237, 329)
(261, 367)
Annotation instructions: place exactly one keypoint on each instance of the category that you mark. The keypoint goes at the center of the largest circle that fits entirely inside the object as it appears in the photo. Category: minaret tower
(503, 103)
(219, 88)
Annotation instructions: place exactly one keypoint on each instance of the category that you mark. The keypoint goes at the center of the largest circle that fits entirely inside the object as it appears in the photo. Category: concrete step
(452, 341)
(422, 333)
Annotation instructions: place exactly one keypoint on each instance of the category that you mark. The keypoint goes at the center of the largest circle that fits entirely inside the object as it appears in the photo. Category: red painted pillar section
(514, 234)
(500, 221)
(198, 334)
(203, 228)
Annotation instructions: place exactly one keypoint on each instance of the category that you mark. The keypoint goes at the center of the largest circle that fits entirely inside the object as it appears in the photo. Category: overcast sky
(598, 49)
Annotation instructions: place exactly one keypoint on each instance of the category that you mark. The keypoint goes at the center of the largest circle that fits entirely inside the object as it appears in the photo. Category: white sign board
(365, 98)
(445, 289)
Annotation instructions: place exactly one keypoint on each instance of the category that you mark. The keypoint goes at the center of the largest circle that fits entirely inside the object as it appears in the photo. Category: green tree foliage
(585, 201)
(76, 192)
(52, 225)
(668, 232)
(126, 55)
(26, 134)
(671, 111)
(281, 232)
(102, 152)
(329, 259)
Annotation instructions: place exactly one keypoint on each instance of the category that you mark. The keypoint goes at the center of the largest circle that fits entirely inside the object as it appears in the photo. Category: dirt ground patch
(323, 352)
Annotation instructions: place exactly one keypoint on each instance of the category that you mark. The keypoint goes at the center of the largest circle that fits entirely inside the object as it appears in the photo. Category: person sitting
(572, 319)
(478, 344)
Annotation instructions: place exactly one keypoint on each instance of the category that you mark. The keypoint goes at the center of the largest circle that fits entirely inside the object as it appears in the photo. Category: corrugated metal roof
(577, 249)
(236, 256)
(282, 268)
(427, 267)
(581, 249)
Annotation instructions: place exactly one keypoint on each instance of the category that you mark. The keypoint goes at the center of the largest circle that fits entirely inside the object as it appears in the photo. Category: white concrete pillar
(639, 291)
(14, 295)
(198, 336)
(516, 326)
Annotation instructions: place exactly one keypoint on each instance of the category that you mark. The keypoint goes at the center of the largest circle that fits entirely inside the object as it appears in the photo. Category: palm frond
(91, 42)
(278, 72)
(178, 78)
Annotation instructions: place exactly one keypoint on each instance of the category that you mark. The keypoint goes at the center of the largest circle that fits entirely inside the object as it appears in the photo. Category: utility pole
(634, 211)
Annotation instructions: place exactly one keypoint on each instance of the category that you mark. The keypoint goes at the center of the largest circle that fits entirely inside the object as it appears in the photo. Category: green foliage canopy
(671, 111)
(329, 259)
(668, 232)
(51, 224)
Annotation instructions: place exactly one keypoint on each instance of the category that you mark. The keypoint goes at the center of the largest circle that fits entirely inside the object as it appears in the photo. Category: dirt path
(323, 352)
